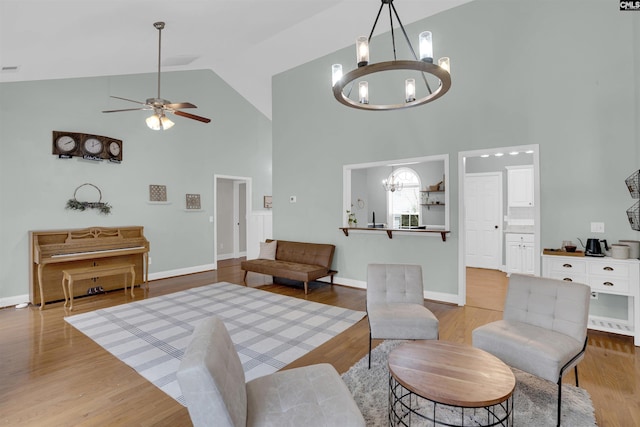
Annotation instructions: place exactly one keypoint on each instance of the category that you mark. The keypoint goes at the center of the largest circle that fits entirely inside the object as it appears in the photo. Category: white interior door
(483, 214)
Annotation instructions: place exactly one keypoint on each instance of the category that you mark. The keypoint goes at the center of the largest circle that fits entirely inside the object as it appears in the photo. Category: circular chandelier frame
(422, 66)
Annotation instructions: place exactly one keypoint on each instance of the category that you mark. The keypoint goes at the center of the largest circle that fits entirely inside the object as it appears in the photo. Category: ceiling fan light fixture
(166, 123)
(159, 122)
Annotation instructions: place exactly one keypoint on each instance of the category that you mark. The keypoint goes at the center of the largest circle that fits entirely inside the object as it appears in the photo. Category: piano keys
(52, 251)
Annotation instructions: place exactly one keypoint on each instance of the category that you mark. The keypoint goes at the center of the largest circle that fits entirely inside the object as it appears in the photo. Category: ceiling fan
(159, 121)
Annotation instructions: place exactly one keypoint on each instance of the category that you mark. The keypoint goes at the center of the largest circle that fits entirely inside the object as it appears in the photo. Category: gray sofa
(213, 384)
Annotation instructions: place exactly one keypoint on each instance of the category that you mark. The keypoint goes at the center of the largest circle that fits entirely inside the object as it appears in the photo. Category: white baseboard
(430, 295)
(231, 256)
(442, 297)
(14, 300)
(360, 284)
(180, 271)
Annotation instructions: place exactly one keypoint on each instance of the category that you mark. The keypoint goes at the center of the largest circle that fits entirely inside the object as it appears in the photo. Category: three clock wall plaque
(91, 147)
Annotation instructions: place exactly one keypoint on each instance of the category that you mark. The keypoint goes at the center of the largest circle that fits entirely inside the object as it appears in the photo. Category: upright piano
(52, 251)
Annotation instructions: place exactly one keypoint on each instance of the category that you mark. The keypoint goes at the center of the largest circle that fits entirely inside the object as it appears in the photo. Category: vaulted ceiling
(245, 42)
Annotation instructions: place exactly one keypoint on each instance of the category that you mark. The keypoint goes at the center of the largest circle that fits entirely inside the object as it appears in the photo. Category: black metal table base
(409, 409)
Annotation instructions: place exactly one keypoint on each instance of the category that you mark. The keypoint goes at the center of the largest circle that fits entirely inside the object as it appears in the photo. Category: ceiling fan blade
(125, 109)
(192, 116)
(180, 105)
(130, 100)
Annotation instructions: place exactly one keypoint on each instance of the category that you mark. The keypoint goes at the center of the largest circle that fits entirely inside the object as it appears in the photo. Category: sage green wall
(35, 185)
(564, 75)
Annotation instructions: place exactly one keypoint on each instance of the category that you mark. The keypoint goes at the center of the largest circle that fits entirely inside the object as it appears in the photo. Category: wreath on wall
(103, 207)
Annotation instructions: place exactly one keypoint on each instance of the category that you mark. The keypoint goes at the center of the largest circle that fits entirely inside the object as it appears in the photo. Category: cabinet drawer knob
(607, 268)
(567, 265)
(608, 284)
(567, 279)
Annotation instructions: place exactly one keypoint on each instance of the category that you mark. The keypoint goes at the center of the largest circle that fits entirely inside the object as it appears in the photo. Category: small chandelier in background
(391, 184)
(424, 66)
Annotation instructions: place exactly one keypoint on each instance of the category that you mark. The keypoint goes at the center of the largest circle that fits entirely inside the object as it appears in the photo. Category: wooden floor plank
(51, 374)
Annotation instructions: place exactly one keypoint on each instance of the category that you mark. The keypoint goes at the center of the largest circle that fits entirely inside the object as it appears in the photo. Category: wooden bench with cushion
(300, 261)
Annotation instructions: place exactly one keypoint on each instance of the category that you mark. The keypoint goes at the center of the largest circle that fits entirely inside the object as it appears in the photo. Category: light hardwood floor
(53, 375)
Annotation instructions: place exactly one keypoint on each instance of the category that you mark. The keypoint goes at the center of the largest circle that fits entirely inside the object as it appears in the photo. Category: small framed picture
(157, 193)
(193, 201)
(267, 202)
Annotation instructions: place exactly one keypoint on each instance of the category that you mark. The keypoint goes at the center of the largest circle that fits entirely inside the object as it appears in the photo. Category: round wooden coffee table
(449, 384)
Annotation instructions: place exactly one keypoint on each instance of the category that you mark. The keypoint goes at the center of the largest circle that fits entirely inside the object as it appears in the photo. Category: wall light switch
(292, 199)
(210, 219)
(597, 227)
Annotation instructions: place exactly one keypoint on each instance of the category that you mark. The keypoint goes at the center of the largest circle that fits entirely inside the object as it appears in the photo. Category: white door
(483, 213)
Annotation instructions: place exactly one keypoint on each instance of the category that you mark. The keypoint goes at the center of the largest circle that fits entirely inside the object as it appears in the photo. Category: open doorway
(482, 174)
(232, 203)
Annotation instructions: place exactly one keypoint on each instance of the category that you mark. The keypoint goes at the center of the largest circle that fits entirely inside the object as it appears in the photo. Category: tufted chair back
(394, 283)
(212, 379)
(551, 304)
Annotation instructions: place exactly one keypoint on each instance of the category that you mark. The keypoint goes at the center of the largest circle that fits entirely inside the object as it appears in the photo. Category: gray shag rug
(534, 398)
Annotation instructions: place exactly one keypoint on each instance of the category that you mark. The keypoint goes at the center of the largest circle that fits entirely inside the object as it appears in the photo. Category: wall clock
(114, 150)
(66, 144)
(91, 147)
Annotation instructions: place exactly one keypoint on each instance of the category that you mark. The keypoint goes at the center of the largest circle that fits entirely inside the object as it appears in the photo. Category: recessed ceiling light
(499, 154)
(529, 152)
(514, 153)
(484, 156)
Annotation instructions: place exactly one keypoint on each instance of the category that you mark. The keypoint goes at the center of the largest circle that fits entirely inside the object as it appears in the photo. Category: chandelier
(424, 66)
(392, 185)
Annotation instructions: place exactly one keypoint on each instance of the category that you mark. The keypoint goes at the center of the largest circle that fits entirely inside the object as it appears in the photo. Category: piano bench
(69, 275)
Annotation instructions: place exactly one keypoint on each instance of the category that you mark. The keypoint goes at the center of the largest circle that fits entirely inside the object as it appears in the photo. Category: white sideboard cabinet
(604, 275)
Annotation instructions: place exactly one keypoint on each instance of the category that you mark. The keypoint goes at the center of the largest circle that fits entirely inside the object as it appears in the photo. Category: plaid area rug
(268, 330)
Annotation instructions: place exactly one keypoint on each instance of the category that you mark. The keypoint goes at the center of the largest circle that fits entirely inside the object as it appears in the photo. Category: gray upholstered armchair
(544, 328)
(395, 304)
(213, 384)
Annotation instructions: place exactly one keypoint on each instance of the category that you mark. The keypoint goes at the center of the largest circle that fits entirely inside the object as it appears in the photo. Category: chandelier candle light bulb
(410, 90)
(442, 62)
(363, 90)
(336, 73)
(426, 46)
(362, 51)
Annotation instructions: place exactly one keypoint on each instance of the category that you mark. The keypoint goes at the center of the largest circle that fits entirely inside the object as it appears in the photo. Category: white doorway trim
(248, 208)
(462, 262)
